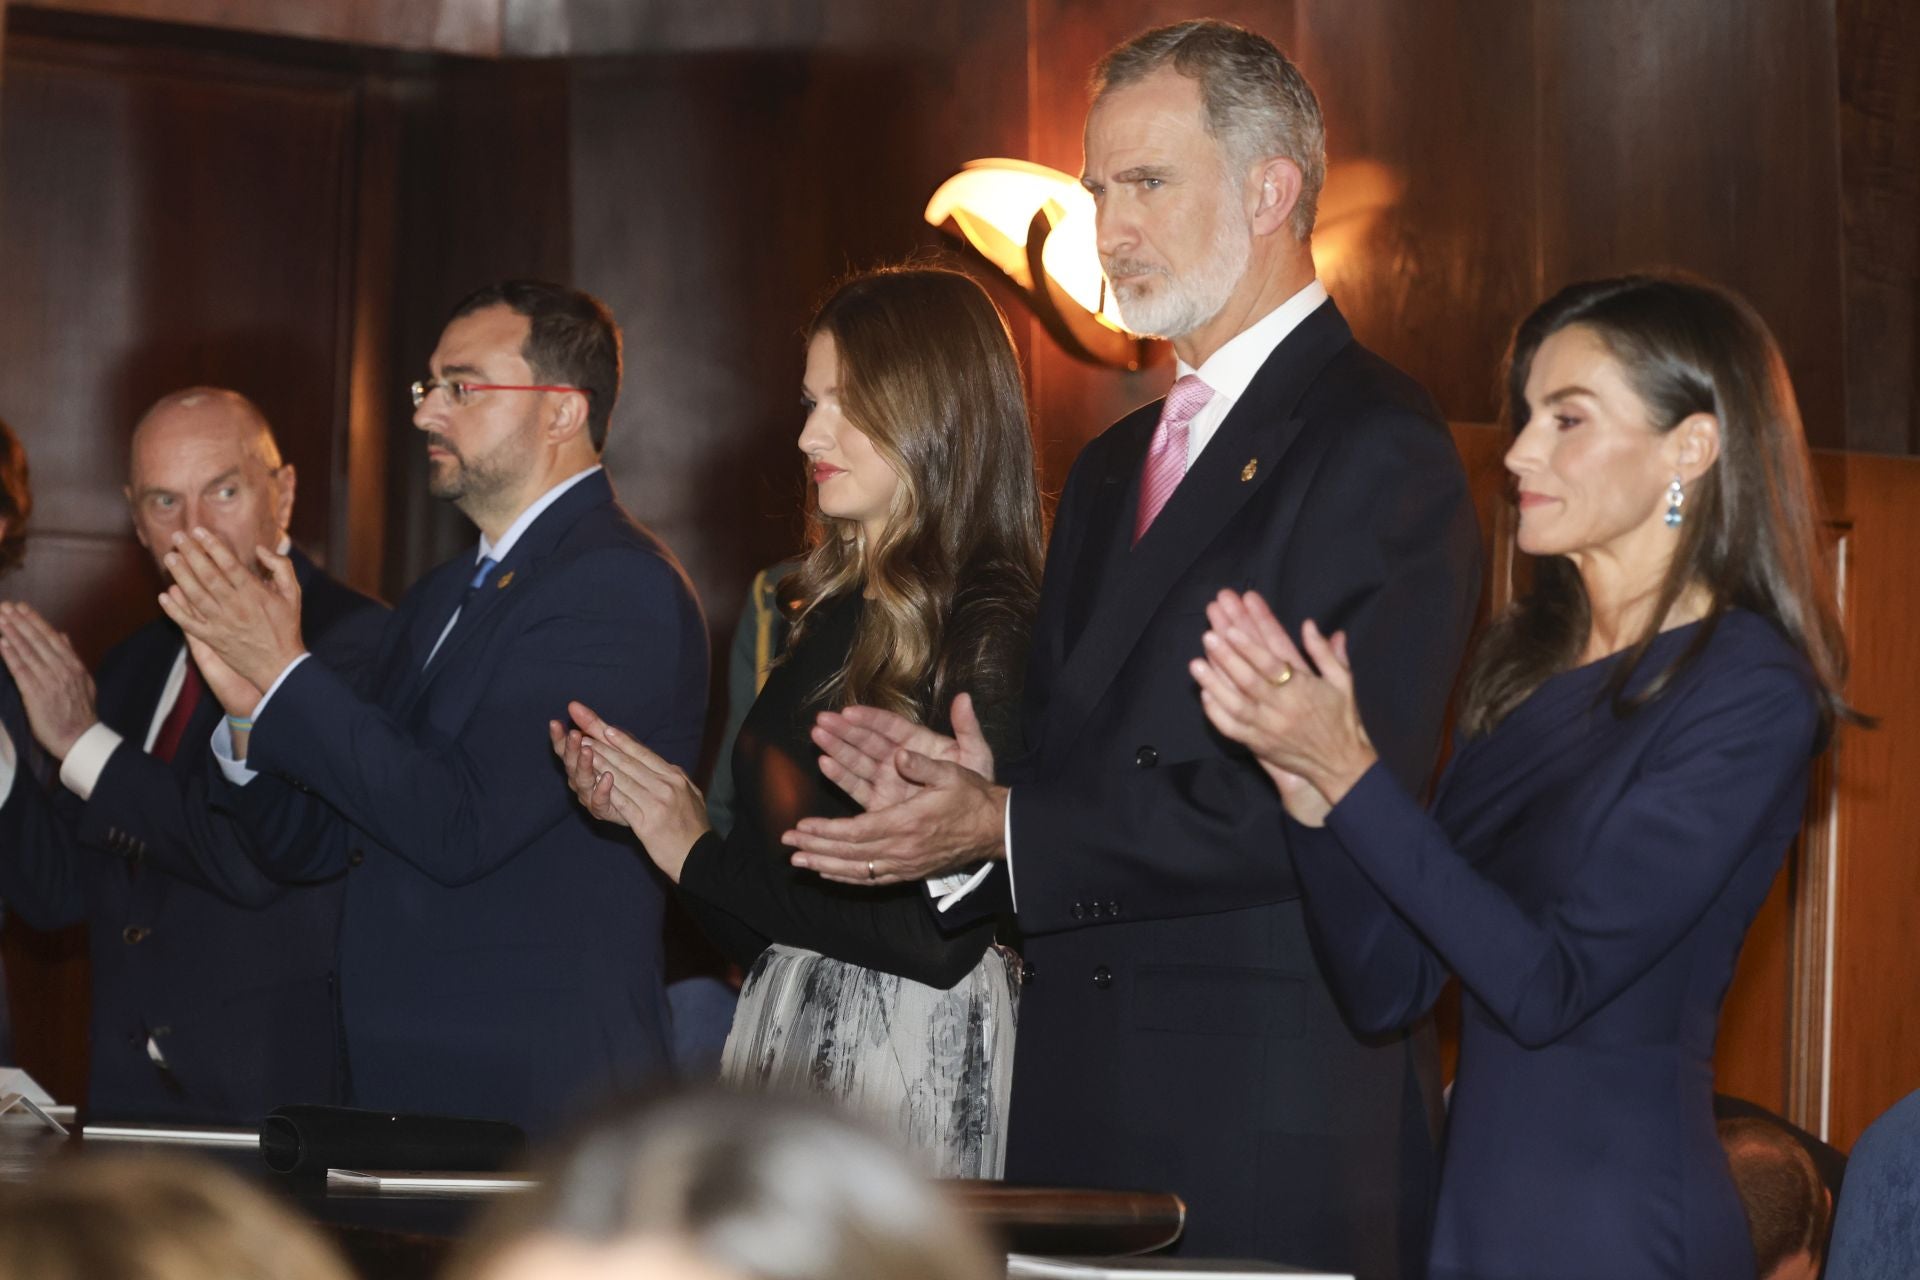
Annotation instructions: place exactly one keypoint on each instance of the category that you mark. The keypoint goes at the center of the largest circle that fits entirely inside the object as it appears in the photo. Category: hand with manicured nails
(931, 804)
(1296, 712)
(619, 780)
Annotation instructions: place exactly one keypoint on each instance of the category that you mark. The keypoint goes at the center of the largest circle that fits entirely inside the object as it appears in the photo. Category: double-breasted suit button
(134, 933)
(1026, 971)
(1079, 911)
(1146, 757)
(1102, 977)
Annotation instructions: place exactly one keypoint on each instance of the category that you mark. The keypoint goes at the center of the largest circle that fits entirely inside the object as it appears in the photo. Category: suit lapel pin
(505, 578)
(1247, 472)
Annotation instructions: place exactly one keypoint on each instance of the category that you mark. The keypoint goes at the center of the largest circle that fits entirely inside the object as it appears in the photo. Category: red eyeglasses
(461, 393)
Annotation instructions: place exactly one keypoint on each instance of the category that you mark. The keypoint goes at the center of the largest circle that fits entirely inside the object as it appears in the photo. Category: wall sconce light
(1035, 225)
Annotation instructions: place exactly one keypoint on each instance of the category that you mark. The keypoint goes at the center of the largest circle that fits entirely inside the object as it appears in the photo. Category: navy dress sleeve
(1661, 855)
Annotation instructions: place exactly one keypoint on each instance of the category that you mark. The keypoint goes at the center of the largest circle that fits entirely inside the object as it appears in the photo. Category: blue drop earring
(1676, 498)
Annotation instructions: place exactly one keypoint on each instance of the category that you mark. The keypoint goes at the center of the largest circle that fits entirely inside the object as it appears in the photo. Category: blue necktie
(481, 573)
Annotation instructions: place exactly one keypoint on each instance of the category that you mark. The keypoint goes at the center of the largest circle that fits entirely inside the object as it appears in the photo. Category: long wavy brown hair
(928, 373)
(1752, 531)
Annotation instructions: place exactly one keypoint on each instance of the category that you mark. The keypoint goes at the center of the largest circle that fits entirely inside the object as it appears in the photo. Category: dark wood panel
(1879, 43)
(484, 190)
(445, 26)
(713, 243)
(1701, 137)
(163, 225)
(1427, 241)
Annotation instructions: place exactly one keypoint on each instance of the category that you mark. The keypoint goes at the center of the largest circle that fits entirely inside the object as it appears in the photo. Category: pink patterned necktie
(1167, 455)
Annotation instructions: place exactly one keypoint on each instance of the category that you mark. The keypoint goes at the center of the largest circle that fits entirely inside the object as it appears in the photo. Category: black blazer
(1176, 1033)
(236, 991)
(500, 952)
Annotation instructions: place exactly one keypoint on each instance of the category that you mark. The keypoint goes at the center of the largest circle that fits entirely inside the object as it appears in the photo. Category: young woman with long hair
(920, 585)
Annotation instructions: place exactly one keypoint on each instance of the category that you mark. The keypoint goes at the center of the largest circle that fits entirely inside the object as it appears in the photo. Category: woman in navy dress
(1630, 767)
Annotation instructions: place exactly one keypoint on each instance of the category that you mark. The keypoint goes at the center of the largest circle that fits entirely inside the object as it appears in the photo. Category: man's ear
(285, 481)
(568, 417)
(1693, 446)
(1276, 190)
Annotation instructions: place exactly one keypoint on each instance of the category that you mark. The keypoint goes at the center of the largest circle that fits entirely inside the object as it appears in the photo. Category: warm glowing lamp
(1036, 225)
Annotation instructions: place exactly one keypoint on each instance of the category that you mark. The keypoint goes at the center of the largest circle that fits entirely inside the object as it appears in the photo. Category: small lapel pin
(507, 577)
(1247, 472)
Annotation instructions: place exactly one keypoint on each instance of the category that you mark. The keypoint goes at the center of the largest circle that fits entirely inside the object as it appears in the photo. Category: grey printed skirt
(932, 1067)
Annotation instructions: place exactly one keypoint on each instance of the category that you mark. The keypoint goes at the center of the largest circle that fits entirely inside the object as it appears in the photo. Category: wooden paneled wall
(1879, 49)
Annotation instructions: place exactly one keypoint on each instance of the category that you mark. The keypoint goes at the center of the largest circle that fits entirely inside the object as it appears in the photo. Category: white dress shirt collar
(498, 550)
(1231, 368)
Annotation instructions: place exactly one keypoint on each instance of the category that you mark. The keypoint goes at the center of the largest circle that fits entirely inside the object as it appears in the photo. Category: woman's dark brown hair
(16, 499)
(1752, 532)
(928, 374)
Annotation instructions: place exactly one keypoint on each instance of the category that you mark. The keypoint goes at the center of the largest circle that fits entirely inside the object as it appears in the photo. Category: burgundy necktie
(174, 727)
(1167, 454)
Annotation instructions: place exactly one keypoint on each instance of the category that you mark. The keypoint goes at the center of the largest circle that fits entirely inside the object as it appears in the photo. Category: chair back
(1876, 1229)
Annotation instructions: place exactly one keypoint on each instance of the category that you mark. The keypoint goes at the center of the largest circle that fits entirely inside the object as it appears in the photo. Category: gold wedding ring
(1286, 674)
(870, 869)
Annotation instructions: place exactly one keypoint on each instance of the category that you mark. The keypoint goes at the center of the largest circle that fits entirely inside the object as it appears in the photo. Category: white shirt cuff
(954, 888)
(222, 742)
(87, 760)
(236, 771)
(949, 890)
(7, 765)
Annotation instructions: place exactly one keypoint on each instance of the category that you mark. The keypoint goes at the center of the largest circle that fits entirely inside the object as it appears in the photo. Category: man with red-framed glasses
(500, 956)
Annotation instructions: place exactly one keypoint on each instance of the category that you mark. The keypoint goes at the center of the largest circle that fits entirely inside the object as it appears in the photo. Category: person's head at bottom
(713, 1186)
(153, 1218)
(1787, 1205)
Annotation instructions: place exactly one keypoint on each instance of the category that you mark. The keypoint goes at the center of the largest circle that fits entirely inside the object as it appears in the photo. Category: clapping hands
(620, 781)
(1295, 711)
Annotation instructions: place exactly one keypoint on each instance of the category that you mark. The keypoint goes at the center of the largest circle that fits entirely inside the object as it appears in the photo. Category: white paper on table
(1022, 1266)
(16, 1080)
(420, 1182)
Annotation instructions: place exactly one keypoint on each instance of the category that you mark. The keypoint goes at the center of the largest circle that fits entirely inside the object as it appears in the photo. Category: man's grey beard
(1183, 304)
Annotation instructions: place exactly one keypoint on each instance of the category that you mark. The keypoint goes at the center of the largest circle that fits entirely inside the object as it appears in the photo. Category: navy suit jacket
(235, 989)
(500, 952)
(1176, 1033)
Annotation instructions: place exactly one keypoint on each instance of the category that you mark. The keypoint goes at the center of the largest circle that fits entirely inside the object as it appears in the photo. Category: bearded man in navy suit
(210, 1002)
(500, 953)
(1175, 1029)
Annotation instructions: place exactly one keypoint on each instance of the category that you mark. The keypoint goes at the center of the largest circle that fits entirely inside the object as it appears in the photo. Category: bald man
(212, 1002)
